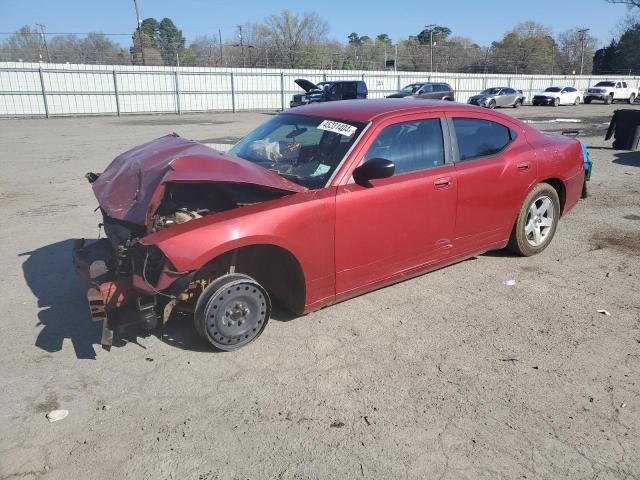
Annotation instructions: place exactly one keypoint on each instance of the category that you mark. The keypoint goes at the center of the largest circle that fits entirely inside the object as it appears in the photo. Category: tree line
(290, 40)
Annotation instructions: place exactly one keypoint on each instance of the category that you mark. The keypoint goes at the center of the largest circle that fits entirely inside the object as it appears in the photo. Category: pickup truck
(609, 91)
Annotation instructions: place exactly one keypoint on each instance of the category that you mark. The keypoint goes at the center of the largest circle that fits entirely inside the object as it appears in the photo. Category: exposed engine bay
(134, 284)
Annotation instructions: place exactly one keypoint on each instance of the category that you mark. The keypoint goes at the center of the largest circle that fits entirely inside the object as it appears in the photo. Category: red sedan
(316, 206)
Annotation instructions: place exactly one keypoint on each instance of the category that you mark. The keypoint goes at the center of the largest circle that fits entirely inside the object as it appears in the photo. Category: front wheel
(556, 102)
(587, 101)
(609, 99)
(232, 311)
(492, 104)
(537, 221)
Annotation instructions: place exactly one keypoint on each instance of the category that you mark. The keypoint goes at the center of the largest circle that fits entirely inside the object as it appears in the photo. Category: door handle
(523, 167)
(442, 183)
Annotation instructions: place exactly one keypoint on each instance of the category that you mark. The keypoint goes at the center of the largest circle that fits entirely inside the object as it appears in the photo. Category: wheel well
(275, 268)
(558, 186)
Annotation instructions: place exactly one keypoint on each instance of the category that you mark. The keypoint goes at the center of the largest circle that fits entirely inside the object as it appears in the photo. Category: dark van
(329, 91)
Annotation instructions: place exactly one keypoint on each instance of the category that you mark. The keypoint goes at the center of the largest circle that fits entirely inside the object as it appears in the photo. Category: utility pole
(582, 32)
(220, 43)
(44, 40)
(139, 36)
(241, 46)
(553, 51)
(430, 27)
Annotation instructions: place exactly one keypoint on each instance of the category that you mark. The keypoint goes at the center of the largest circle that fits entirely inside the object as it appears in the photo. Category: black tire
(576, 102)
(492, 104)
(556, 102)
(517, 103)
(609, 99)
(232, 312)
(632, 98)
(520, 241)
(535, 104)
(587, 100)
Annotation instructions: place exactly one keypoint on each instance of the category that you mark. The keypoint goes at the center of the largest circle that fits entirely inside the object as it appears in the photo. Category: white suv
(608, 92)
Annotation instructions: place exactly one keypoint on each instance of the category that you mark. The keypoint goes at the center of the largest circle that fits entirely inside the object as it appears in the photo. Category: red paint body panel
(347, 238)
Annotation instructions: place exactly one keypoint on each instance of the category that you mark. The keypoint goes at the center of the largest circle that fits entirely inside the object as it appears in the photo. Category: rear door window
(479, 138)
(411, 146)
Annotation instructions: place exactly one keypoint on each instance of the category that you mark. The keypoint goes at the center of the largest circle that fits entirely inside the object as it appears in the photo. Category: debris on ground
(509, 283)
(55, 415)
(337, 424)
(604, 312)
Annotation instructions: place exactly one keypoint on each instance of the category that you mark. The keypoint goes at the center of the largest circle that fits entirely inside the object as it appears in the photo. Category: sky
(481, 20)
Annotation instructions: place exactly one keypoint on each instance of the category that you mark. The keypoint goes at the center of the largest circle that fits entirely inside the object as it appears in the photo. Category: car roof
(368, 110)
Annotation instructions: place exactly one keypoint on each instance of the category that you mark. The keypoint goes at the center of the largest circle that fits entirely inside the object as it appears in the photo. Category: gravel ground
(452, 375)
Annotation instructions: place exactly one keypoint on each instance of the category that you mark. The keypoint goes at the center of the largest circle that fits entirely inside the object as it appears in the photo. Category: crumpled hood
(131, 187)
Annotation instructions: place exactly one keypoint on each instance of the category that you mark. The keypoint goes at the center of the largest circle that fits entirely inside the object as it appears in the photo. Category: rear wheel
(587, 100)
(232, 311)
(576, 102)
(517, 103)
(537, 221)
(632, 98)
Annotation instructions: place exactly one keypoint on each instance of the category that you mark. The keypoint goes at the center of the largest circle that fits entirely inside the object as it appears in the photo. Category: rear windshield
(303, 149)
(553, 89)
(606, 84)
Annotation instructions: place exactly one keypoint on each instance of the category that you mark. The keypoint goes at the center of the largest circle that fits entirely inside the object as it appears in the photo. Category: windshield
(413, 88)
(303, 149)
(553, 89)
(491, 91)
(606, 84)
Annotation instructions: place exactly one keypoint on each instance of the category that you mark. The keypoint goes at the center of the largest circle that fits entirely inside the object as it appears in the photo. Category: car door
(495, 167)
(401, 223)
(426, 91)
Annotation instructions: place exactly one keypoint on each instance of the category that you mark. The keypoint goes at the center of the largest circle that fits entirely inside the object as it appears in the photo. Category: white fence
(55, 89)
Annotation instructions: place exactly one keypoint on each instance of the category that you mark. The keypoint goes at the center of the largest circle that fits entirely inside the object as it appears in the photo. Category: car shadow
(629, 159)
(64, 314)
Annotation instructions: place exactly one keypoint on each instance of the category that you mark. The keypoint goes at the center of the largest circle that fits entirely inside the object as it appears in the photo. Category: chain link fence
(59, 89)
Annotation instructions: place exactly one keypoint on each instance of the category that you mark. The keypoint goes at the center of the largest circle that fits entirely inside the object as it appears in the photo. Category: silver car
(498, 97)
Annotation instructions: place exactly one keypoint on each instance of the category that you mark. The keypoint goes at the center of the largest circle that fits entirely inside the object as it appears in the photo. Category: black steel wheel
(232, 311)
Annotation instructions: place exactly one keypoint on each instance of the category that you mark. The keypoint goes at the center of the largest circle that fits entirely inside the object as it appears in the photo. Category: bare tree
(288, 33)
(629, 3)
(570, 50)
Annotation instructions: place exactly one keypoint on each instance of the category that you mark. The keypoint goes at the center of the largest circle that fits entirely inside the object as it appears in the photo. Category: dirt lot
(452, 375)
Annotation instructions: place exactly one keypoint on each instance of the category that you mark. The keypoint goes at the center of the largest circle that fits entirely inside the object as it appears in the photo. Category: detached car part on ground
(557, 96)
(315, 207)
(498, 97)
(329, 91)
(625, 129)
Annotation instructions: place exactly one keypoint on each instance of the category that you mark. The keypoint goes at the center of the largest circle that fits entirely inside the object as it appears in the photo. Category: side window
(480, 138)
(427, 88)
(410, 146)
(618, 85)
(624, 84)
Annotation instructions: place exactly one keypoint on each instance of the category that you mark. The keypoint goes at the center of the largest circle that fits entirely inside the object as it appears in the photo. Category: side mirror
(373, 169)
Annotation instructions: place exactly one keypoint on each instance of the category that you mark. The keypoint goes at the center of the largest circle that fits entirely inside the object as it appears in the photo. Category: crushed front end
(130, 285)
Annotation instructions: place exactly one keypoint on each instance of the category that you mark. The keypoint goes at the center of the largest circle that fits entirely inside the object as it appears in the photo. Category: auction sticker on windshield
(337, 127)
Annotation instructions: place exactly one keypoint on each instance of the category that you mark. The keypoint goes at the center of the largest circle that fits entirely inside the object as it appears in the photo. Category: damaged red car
(315, 207)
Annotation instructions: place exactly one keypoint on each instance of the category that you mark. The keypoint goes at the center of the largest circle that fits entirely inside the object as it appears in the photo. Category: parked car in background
(329, 91)
(431, 91)
(498, 97)
(609, 92)
(317, 205)
(557, 96)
